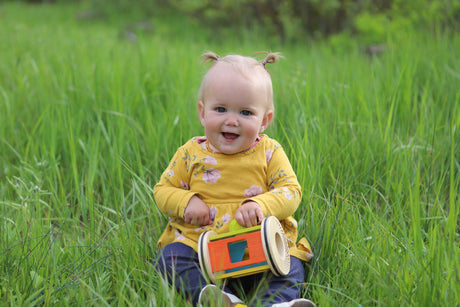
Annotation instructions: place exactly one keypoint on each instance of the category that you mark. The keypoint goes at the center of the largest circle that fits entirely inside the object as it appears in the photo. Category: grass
(89, 120)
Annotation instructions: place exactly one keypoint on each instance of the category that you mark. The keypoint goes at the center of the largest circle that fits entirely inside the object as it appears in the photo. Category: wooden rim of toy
(203, 255)
(275, 246)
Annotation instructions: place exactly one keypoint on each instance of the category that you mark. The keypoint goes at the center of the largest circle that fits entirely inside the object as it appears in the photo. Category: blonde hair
(249, 67)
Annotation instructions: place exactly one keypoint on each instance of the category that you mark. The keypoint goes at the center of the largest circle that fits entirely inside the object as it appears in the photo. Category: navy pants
(179, 264)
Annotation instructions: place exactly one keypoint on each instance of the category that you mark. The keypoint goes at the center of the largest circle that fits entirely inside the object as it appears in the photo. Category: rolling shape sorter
(244, 251)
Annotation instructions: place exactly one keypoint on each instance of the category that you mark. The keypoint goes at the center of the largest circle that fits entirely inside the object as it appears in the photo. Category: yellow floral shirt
(262, 174)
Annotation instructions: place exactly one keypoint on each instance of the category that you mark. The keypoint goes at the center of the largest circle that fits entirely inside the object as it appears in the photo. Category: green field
(89, 120)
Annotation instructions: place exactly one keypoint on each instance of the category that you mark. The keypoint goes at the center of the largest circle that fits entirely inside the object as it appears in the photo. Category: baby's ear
(201, 111)
(266, 120)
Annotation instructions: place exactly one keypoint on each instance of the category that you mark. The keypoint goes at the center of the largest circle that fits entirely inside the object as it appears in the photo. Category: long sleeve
(172, 192)
(284, 193)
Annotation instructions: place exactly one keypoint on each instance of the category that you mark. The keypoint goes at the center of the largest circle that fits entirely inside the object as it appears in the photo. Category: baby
(233, 172)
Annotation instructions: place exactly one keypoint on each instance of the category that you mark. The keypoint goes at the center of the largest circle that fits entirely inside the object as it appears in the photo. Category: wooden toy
(244, 252)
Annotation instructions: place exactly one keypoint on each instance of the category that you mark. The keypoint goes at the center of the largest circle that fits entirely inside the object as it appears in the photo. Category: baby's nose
(231, 120)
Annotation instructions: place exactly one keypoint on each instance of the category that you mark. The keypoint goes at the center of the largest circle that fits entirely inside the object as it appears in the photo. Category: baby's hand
(197, 212)
(249, 214)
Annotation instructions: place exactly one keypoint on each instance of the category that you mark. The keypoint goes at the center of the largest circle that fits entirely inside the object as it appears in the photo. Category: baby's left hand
(249, 214)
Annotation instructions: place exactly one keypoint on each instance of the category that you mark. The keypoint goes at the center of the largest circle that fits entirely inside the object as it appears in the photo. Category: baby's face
(234, 110)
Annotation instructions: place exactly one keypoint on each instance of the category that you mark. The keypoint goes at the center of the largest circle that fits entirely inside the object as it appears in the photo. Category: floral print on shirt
(268, 155)
(254, 190)
(211, 175)
(210, 160)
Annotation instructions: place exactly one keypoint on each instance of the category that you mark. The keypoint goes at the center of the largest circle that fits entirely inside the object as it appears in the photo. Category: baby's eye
(246, 112)
(220, 109)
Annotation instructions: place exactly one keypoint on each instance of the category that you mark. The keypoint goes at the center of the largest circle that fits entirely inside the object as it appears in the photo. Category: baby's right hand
(197, 212)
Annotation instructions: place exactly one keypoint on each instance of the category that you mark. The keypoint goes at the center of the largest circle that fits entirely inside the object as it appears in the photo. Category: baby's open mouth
(230, 136)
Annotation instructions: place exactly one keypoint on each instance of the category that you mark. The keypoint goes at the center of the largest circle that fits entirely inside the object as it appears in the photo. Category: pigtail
(270, 58)
(210, 57)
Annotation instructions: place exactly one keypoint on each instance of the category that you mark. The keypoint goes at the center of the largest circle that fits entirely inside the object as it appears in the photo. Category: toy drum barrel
(245, 252)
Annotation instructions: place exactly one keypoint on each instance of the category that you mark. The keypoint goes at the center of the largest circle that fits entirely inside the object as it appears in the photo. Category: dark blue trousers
(179, 264)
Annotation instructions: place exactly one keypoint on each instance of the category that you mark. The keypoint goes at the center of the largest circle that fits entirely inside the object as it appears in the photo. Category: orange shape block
(220, 254)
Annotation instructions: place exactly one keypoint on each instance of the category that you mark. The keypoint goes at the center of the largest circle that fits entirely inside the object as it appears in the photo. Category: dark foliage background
(292, 20)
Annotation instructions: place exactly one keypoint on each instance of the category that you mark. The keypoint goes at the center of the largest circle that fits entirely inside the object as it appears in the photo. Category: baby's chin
(232, 150)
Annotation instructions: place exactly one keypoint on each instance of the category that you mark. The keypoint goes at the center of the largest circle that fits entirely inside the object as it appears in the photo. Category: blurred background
(368, 21)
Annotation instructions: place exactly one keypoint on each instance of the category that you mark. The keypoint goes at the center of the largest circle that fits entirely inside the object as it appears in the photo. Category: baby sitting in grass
(233, 172)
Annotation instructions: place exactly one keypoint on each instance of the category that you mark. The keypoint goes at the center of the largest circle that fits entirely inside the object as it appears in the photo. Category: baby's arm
(284, 193)
(171, 200)
(172, 193)
(173, 196)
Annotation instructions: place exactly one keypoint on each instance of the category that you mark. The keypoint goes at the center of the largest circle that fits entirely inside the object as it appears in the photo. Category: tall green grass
(89, 120)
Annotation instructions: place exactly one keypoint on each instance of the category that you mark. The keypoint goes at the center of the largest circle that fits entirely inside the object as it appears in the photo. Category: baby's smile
(228, 136)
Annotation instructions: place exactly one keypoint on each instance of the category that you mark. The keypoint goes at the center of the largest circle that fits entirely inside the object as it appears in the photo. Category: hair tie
(263, 63)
